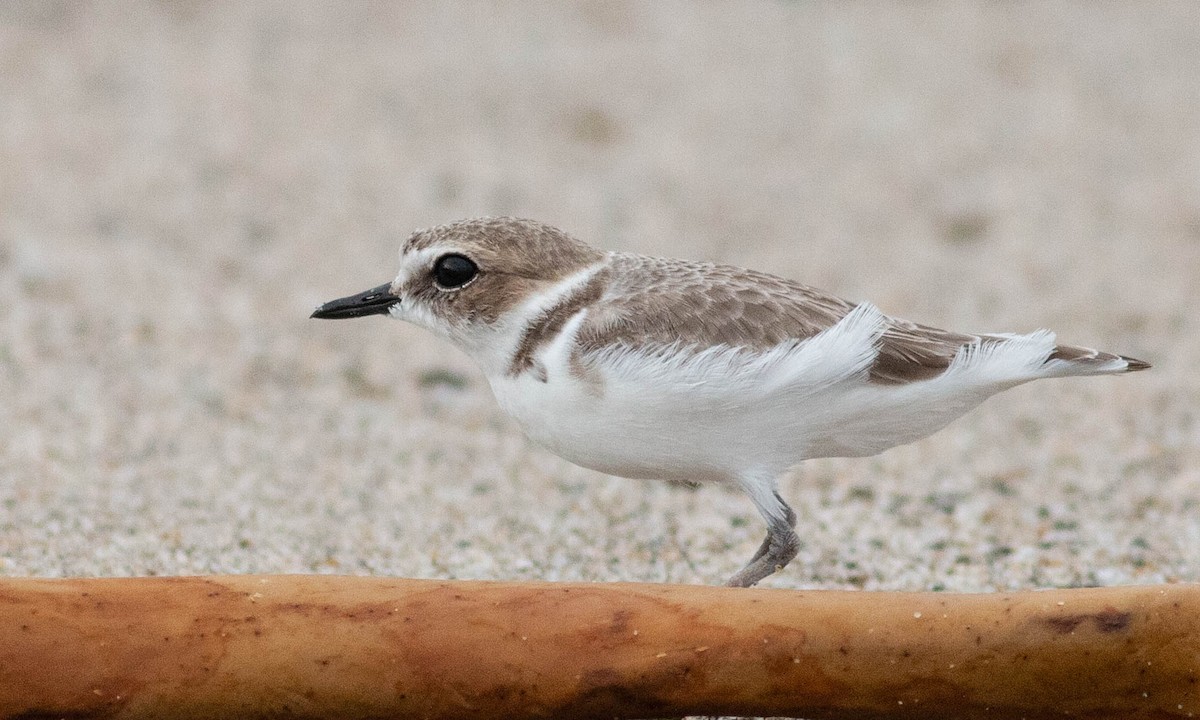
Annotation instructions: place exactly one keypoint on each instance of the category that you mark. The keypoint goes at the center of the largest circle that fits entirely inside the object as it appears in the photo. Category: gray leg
(789, 516)
(781, 543)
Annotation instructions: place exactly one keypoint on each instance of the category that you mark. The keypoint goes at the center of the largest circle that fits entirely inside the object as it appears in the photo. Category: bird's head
(467, 280)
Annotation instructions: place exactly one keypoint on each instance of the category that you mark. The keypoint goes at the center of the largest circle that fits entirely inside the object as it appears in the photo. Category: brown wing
(660, 300)
(910, 352)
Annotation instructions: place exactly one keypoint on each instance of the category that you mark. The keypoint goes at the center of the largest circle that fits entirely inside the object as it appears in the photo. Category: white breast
(605, 423)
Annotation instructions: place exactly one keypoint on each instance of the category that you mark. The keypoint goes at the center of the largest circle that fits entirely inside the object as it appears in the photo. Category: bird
(694, 372)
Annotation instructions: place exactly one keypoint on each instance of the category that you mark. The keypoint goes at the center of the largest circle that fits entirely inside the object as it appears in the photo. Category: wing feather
(665, 302)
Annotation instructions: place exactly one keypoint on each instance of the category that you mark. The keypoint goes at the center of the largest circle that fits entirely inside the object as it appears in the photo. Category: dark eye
(452, 271)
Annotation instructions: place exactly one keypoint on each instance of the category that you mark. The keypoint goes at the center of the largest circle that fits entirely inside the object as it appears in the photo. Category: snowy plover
(645, 367)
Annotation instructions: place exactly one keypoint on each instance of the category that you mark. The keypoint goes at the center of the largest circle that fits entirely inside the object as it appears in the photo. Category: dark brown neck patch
(546, 326)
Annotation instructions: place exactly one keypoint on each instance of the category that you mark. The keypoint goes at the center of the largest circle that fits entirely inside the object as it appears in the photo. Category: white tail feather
(1016, 358)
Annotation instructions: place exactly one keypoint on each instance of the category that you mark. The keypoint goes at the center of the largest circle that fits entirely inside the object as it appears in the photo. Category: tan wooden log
(351, 647)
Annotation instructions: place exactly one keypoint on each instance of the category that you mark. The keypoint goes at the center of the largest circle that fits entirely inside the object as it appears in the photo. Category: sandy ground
(181, 183)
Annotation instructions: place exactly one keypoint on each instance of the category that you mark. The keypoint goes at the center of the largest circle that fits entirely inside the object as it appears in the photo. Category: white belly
(674, 434)
(623, 432)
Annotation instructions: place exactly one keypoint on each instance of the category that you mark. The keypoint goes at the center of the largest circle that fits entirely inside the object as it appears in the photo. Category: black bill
(376, 301)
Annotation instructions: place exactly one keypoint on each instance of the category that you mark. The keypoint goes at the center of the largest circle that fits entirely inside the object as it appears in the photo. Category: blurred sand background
(181, 183)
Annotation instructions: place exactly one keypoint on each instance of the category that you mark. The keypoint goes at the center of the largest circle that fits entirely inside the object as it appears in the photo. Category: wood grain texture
(352, 647)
